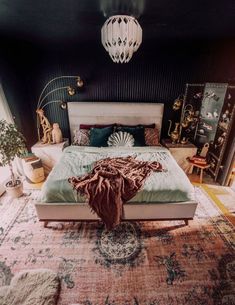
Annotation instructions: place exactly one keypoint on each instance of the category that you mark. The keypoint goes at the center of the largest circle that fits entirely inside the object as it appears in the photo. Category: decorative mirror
(205, 103)
(211, 106)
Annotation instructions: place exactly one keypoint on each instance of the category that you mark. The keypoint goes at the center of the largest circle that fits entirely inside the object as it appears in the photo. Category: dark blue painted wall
(156, 73)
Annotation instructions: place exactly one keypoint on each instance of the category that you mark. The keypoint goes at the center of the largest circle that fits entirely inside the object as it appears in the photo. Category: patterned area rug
(138, 263)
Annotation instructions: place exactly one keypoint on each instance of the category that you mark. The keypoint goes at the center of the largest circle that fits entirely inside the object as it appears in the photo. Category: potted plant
(12, 144)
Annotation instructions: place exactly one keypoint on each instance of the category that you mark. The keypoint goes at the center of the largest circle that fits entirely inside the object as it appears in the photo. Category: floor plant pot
(14, 191)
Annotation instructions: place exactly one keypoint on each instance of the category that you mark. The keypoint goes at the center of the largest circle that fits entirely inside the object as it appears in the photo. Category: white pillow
(121, 138)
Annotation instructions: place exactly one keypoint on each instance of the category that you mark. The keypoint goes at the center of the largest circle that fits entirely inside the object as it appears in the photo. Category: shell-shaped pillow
(121, 138)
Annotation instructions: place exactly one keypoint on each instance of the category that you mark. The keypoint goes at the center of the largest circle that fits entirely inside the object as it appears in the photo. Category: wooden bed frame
(128, 114)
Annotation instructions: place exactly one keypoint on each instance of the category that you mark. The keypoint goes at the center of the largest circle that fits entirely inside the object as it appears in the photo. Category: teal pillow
(137, 132)
(99, 136)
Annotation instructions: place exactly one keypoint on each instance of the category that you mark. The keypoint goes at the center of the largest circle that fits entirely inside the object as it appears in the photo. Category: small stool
(200, 167)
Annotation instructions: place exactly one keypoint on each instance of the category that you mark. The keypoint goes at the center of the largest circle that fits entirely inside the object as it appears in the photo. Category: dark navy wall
(156, 73)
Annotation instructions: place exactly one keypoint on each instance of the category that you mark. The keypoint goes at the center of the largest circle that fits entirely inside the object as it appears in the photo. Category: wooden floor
(223, 196)
(207, 179)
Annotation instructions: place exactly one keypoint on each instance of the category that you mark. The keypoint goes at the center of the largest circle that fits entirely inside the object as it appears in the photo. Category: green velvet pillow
(137, 132)
(99, 136)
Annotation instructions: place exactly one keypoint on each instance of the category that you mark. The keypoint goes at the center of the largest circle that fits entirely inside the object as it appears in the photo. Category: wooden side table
(181, 152)
(49, 153)
(200, 167)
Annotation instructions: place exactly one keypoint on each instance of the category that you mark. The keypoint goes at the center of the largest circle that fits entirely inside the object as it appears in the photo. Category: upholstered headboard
(110, 112)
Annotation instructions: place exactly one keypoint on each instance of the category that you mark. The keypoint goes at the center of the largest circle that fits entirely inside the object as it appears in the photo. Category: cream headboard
(114, 112)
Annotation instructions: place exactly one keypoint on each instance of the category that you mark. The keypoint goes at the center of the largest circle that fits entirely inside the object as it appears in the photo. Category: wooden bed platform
(141, 212)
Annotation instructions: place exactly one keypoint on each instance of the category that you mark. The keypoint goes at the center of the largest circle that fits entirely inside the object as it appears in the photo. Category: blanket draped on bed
(112, 182)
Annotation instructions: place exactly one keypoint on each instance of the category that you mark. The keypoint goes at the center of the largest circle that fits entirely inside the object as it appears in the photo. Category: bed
(174, 198)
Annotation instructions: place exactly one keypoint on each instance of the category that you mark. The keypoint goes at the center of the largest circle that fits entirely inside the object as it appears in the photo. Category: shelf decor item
(121, 36)
(175, 134)
(12, 145)
(178, 103)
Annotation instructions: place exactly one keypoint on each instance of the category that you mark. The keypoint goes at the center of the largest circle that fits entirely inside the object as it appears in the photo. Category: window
(5, 114)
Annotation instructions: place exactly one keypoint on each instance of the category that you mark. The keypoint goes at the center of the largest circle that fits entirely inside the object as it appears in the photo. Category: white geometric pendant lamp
(121, 36)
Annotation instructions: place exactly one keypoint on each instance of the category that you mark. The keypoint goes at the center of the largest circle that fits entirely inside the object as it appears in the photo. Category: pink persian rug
(138, 263)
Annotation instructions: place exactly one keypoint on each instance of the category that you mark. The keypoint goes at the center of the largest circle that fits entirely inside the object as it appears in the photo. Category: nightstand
(181, 152)
(49, 153)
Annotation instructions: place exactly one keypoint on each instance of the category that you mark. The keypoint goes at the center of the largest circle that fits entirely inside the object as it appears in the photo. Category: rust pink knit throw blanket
(112, 182)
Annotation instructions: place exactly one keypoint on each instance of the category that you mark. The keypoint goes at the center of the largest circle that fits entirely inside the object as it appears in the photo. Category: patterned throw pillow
(151, 136)
(81, 137)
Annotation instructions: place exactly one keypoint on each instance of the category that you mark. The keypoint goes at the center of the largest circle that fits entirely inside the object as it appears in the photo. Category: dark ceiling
(61, 21)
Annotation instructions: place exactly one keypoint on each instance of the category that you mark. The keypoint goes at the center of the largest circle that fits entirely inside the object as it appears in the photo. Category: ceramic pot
(14, 191)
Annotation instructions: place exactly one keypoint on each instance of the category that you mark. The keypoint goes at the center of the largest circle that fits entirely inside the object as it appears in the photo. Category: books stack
(198, 160)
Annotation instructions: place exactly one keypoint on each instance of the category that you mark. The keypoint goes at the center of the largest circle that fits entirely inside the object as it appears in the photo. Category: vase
(175, 134)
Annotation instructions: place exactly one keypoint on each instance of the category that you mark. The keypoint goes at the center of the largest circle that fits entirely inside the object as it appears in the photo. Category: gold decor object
(80, 82)
(188, 115)
(46, 127)
(175, 134)
(71, 91)
(183, 141)
(177, 103)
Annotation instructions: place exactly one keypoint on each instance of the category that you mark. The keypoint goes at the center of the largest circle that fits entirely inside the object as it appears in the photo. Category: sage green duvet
(172, 185)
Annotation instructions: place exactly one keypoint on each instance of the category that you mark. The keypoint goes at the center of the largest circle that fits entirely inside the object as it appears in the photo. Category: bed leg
(186, 222)
(45, 224)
